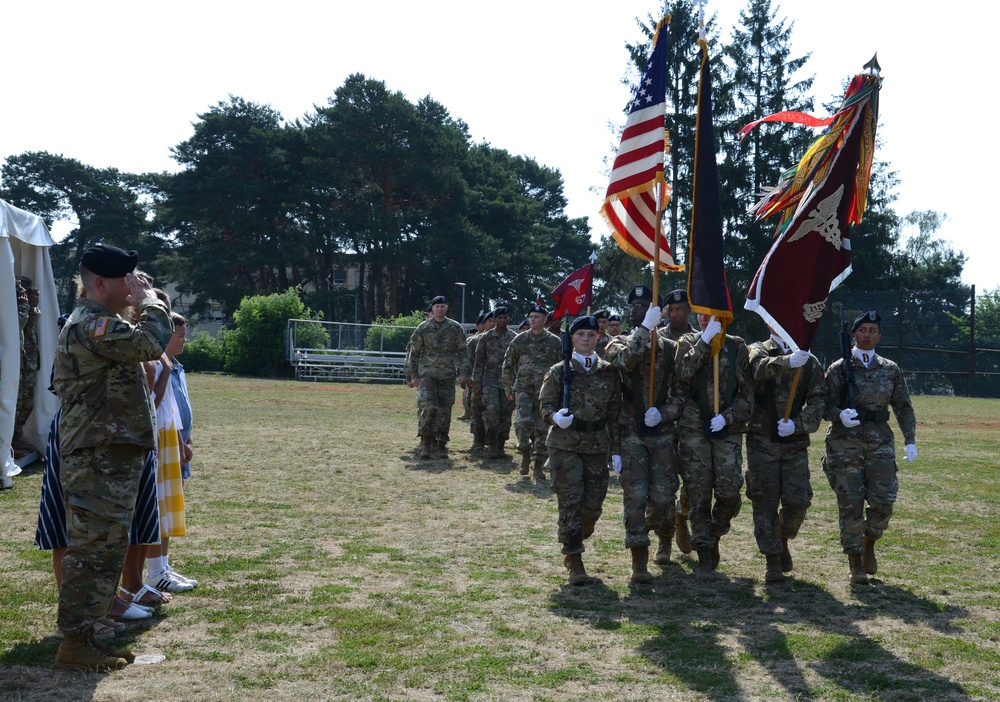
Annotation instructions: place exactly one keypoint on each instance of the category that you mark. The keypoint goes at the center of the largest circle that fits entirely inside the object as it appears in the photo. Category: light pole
(462, 285)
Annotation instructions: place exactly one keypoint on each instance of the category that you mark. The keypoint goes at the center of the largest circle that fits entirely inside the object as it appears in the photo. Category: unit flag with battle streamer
(818, 200)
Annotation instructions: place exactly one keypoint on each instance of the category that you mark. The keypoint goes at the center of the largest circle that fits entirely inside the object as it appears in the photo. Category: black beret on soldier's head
(539, 309)
(601, 314)
(499, 311)
(481, 319)
(584, 323)
(439, 300)
(640, 292)
(489, 315)
(109, 261)
(871, 316)
(614, 318)
(676, 296)
(524, 324)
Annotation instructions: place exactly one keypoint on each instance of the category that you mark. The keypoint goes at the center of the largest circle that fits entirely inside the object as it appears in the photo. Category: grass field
(334, 565)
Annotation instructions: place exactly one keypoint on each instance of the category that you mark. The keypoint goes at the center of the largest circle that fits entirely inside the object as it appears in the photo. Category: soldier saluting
(108, 425)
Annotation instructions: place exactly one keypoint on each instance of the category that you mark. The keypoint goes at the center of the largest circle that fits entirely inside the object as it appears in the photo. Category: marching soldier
(603, 318)
(476, 427)
(579, 440)
(647, 466)
(678, 311)
(711, 445)
(467, 388)
(497, 409)
(107, 427)
(436, 355)
(528, 358)
(777, 449)
(860, 461)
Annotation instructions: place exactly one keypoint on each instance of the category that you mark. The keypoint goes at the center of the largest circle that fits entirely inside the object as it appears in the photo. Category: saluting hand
(138, 290)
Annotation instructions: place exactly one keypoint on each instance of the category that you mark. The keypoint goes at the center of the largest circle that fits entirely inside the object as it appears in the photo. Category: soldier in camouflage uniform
(677, 311)
(467, 388)
(30, 361)
(497, 409)
(579, 440)
(860, 460)
(777, 449)
(603, 318)
(614, 325)
(107, 427)
(476, 427)
(647, 465)
(437, 354)
(710, 445)
(554, 325)
(528, 358)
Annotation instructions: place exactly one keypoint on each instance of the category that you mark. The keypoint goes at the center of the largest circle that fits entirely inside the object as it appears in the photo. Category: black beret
(614, 318)
(439, 300)
(430, 307)
(640, 292)
(871, 316)
(499, 311)
(676, 296)
(583, 323)
(538, 308)
(481, 319)
(601, 314)
(524, 323)
(109, 261)
(489, 315)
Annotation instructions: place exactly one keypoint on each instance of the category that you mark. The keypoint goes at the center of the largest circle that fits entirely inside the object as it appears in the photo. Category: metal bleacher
(353, 352)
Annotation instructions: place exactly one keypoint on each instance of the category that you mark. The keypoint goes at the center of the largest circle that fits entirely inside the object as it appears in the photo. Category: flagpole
(791, 393)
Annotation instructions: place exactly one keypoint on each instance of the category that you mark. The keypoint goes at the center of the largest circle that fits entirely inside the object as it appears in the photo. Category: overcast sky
(119, 83)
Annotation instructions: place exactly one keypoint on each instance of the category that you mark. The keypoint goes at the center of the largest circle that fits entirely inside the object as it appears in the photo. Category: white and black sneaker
(182, 578)
(166, 581)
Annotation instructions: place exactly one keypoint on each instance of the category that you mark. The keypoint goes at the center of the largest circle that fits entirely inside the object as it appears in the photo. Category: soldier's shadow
(528, 486)
(793, 633)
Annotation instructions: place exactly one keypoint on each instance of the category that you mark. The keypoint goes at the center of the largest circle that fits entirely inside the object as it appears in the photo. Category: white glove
(786, 427)
(718, 422)
(911, 452)
(562, 418)
(711, 330)
(653, 417)
(652, 318)
(799, 358)
(849, 418)
(616, 464)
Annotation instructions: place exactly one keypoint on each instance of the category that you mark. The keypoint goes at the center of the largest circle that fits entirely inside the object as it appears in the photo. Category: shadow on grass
(793, 632)
(525, 485)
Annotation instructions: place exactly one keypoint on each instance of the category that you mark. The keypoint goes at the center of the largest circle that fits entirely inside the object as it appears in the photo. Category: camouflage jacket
(470, 355)
(490, 350)
(602, 345)
(669, 333)
(437, 350)
(694, 367)
(875, 389)
(772, 377)
(99, 377)
(527, 360)
(30, 359)
(595, 399)
(629, 354)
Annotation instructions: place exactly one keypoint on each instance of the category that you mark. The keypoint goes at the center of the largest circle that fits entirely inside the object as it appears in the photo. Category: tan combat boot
(537, 473)
(662, 556)
(786, 557)
(773, 573)
(77, 652)
(577, 575)
(525, 462)
(682, 534)
(868, 557)
(704, 571)
(105, 647)
(425, 448)
(640, 557)
(858, 574)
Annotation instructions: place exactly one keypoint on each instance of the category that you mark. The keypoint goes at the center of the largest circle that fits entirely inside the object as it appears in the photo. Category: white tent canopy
(24, 250)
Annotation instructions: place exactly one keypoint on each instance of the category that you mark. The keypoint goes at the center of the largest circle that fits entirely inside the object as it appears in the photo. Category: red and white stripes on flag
(630, 203)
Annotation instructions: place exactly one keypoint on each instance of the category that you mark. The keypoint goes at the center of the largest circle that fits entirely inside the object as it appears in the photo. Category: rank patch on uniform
(101, 326)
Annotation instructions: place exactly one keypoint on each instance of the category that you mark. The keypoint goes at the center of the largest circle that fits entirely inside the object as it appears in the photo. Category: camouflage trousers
(467, 400)
(683, 503)
(649, 487)
(99, 488)
(476, 418)
(580, 482)
(435, 398)
(778, 486)
(529, 427)
(497, 410)
(711, 467)
(861, 472)
(25, 404)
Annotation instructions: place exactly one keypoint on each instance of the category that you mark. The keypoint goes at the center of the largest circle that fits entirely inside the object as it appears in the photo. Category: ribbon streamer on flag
(573, 294)
(637, 191)
(788, 116)
(708, 291)
(819, 201)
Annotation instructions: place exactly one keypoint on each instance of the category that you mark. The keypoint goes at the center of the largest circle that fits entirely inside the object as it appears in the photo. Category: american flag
(630, 204)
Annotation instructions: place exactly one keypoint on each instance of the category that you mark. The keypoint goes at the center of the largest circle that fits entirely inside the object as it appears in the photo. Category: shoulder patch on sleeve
(101, 326)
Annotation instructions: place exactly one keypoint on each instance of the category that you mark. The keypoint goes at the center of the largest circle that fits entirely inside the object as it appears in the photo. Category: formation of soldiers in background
(655, 438)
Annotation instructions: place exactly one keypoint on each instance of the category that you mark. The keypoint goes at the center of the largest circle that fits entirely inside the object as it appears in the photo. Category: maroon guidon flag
(573, 294)
(818, 201)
